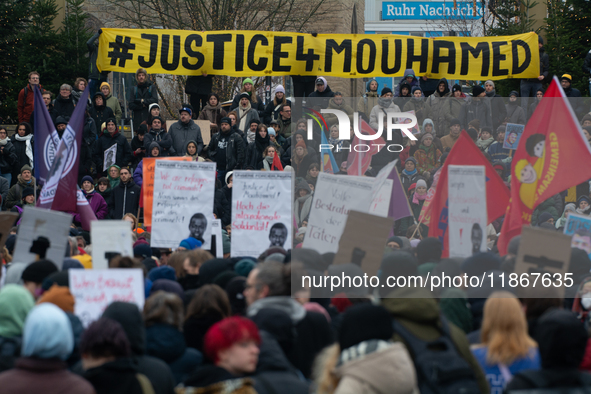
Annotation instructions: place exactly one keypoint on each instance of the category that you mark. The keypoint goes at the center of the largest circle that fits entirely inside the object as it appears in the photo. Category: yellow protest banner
(250, 53)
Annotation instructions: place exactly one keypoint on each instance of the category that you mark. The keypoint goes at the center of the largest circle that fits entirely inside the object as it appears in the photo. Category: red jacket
(26, 104)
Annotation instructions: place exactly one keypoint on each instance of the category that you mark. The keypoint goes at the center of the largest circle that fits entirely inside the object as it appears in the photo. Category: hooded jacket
(15, 304)
(415, 81)
(438, 108)
(105, 141)
(113, 103)
(384, 371)
(115, 377)
(149, 94)
(234, 149)
(162, 138)
(125, 198)
(181, 133)
(167, 343)
(320, 99)
(15, 193)
(369, 99)
(100, 113)
(313, 332)
(475, 109)
(254, 152)
(402, 100)
(417, 311)
(130, 318)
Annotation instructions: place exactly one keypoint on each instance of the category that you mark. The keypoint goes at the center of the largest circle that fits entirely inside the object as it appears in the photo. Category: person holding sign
(123, 154)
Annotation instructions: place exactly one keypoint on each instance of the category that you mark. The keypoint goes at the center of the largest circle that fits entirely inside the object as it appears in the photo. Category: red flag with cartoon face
(551, 157)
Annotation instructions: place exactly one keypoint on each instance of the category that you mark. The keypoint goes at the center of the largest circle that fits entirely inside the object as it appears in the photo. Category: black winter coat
(272, 111)
(105, 141)
(162, 138)
(135, 144)
(168, 344)
(222, 207)
(20, 148)
(149, 94)
(235, 151)
(321, 100)
(101, 113)
(7, 158)
(195, 329)
(119, 376)
(63, 107)
(125, 198)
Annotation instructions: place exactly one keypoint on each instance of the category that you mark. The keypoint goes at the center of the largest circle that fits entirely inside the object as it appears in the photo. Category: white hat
(152, 106)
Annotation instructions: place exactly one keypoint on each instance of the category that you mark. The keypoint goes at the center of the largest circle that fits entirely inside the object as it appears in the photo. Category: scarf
(384, 102)
(86, 193)
(416, 197)
(4, 141)
(242, 111)
(411, 173)
(336, 142)
(29, 147)
(562, 221)
(584, 211)
(267, 161)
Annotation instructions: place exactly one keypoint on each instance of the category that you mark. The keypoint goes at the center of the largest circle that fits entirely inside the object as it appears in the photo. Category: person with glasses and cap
(185, 130)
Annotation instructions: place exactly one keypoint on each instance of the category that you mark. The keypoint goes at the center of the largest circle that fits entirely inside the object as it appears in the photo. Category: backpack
(440, 368)
(541, 385)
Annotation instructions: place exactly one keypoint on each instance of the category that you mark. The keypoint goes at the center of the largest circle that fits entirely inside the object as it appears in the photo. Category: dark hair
(164, 307)
(532, 141)
(28, 129)
(124, 168)
(105, 338)
(214, 95)
(209, 300)
(198, 215)
(103, 180)
(278, 226)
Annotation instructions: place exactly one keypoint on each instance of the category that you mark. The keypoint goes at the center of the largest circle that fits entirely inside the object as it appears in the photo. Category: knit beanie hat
(87, 178)
(244, 266)
(26, 167)
(363, 322)
(386, 90)
(163, 272)
(280, 89)
(59, 296)
(477, 90)
(27, 191)
(395, 239)
(38, 271)
(248, 80)
(421, 182)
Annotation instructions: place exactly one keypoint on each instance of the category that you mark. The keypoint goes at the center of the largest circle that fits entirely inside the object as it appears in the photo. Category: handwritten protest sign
(380, 203)
(579, 228)
(261, 211)
(37, 227)
(110, 157)
(334, 197)
(149, 165)
(94, 290)
(109, 238)
(183, 203)
(467, 210)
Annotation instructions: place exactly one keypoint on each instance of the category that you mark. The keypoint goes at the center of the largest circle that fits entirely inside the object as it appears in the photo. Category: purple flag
(84, 210)
(399, 206)
(58, 193)
(46, 139)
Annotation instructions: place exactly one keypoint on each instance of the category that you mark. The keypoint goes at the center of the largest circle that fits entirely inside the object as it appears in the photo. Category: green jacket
(113, 103)
(421, 317)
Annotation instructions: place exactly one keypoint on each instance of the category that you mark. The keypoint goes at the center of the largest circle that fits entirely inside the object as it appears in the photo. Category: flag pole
(418, 225)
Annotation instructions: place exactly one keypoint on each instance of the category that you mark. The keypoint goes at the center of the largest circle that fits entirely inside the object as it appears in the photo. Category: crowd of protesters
(243, 324)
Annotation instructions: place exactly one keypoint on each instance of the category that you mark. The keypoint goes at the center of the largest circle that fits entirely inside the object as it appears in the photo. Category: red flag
(551, 157)
(358, 161)
(465, 152)
(276, 165)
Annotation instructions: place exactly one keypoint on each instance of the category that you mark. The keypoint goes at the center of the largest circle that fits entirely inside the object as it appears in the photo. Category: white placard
(110, 236)
(37, 222)
(110, 157)
(94, 290)
(467, 210)
(216, 229)
(334, 197)
(183, 202)
(380, 204)
(261, 211)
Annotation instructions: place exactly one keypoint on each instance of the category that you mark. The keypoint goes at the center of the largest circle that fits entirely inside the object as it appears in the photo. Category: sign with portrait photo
(513, 134)
(183, 202)
(110, 157)
(261, 211)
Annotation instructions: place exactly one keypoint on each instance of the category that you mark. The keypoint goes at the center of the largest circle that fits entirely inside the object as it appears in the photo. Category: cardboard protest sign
(94, 290)
(205, 130)
(109, 238)
(545, 252)
(513, 135)
(183, 202)
(579, 228)
(110, 157)
(149, 165)
(380, 203)
(43, 231)
(334, 197)
(364, 239)
(261, 211)
(467, 210)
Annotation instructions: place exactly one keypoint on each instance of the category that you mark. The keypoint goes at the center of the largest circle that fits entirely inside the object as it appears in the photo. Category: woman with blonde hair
(506, 346)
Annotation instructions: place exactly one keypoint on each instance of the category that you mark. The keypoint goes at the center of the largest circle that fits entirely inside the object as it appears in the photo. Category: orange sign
(148, 184)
